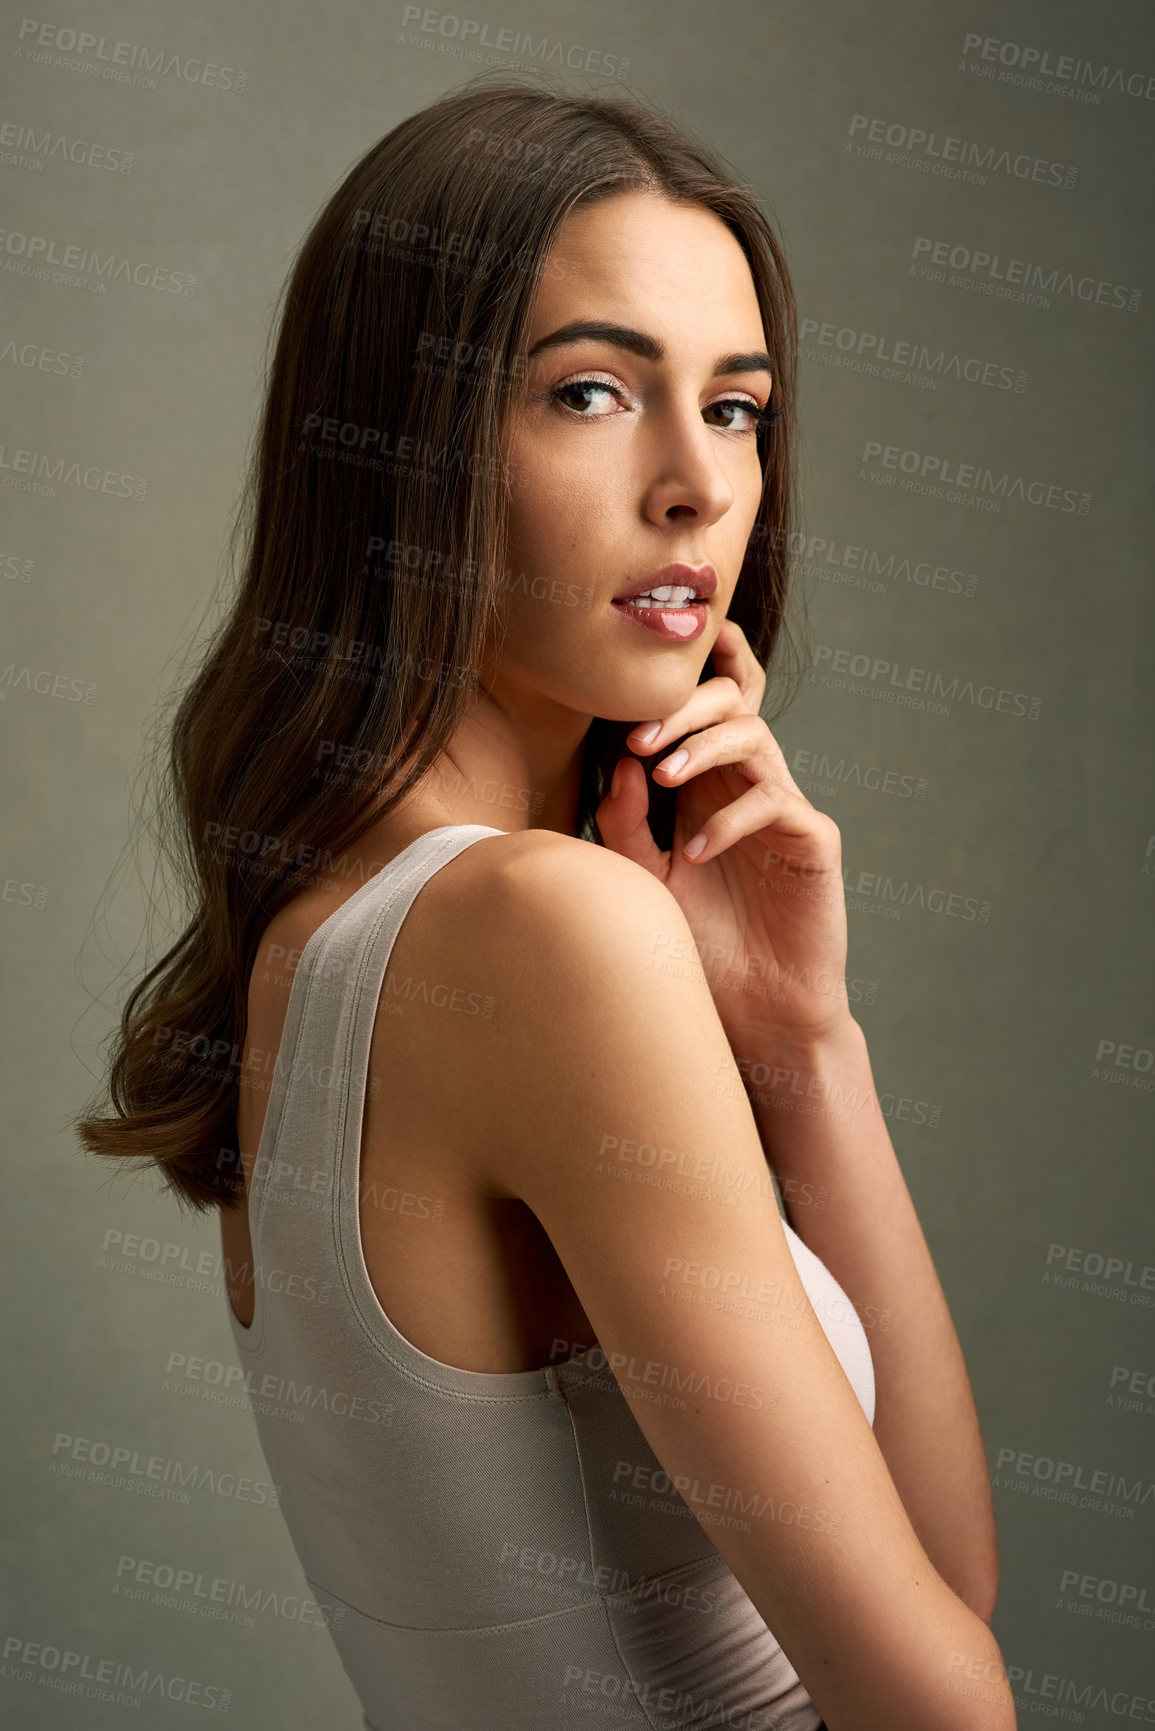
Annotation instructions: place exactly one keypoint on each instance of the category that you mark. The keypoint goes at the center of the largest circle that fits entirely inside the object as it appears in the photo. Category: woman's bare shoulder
(534, 882)
(556, 944)
(536, 900)
(525, 861)
(518, 931)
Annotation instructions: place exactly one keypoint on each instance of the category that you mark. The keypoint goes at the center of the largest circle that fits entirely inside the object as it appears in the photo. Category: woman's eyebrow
(638, 343)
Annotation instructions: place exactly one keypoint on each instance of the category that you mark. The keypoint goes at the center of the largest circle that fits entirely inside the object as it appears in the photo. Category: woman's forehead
(637, 259)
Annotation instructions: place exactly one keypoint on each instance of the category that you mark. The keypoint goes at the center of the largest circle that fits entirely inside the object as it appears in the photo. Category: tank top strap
(307, 1157)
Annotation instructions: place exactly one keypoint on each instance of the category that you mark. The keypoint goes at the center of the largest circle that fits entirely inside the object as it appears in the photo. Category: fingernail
(693, 848)
(646, 735)
(673, 763)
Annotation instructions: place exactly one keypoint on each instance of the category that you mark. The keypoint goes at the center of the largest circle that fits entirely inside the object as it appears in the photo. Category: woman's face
(630, 451)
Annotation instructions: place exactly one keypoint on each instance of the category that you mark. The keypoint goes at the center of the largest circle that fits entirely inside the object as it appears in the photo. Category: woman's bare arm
(590, 1047)
(844, 1193)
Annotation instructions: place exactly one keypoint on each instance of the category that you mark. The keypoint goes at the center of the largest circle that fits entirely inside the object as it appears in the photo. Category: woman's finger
(815, 839)
(719, 707)
(740, 742)
(733, 657)
(736, 688)
(622, 818)
(713, 701)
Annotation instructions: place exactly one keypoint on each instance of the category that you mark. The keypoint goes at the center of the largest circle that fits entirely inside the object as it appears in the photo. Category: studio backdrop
(964, 192)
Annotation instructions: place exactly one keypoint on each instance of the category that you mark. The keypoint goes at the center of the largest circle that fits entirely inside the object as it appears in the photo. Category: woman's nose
(687, 476)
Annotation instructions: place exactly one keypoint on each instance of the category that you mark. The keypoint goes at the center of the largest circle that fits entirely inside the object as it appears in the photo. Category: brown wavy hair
(373, 522)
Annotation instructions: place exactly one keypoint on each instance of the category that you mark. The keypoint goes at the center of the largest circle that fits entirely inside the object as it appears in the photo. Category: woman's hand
(763, 896)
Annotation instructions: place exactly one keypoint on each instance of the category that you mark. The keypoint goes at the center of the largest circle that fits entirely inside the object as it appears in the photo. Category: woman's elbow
(981, 1594)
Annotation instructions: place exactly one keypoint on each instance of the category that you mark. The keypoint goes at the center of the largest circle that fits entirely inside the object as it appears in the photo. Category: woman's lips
(701, 580)
(674, 624)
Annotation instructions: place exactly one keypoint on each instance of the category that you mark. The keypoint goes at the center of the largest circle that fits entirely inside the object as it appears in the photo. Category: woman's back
(500, 1548)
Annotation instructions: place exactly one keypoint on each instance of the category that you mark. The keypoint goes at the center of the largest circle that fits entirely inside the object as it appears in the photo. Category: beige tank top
(500, 1552)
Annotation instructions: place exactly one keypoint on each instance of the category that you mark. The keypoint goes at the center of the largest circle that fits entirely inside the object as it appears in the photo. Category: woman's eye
(582, 390)
(729, 405)
(579, 397)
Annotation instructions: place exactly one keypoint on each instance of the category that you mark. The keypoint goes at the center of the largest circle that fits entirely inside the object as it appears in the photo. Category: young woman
(516, 979)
